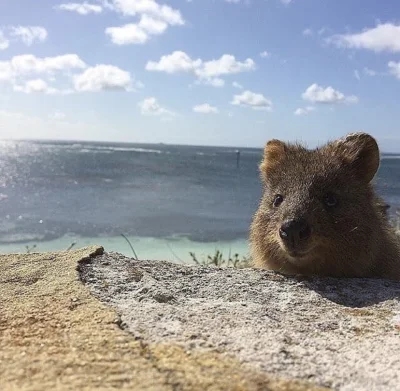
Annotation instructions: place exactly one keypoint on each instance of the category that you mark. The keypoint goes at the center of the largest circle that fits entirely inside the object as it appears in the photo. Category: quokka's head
(318, 200)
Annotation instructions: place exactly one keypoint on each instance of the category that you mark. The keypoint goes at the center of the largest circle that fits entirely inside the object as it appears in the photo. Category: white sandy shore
(174, 250)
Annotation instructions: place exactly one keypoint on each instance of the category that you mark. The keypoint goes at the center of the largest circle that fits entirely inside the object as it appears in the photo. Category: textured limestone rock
(54, 335)
(338, 333)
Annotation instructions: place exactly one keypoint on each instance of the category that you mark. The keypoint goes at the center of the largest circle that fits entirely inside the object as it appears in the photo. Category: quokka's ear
(274, 153)
(360, 151)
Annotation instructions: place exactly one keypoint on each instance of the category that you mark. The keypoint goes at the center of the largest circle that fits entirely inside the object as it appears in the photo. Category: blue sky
(210, 72)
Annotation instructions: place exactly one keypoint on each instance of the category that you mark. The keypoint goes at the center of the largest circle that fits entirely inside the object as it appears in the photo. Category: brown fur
(351, 239)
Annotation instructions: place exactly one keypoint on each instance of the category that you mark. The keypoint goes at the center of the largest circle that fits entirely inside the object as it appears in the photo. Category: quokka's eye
(330, 200)
(277, 200)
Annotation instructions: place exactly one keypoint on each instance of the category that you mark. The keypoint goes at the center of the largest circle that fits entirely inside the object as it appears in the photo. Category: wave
(244, 151)
(124, 149)
(86, 148)
(15, 237)
(101, 149)
(388, 157)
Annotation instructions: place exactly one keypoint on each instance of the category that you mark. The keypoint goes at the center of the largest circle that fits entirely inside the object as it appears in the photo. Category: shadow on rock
(353, 292)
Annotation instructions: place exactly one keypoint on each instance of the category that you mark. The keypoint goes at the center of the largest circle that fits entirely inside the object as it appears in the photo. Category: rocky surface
(338, 333)
(55, 335)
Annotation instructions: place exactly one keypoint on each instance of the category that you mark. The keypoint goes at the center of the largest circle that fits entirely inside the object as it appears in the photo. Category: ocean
(167, 200)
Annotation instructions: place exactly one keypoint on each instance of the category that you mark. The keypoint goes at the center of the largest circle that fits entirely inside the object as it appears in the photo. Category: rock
(338, 333)
(55, 335)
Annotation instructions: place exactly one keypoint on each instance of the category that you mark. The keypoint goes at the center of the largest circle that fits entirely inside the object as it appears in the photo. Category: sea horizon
(130, 143)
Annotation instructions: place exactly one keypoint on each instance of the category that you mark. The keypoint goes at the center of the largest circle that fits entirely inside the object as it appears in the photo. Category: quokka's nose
(295, 231)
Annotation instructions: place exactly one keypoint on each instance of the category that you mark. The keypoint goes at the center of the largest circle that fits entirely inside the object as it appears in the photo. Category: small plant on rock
(218, 260)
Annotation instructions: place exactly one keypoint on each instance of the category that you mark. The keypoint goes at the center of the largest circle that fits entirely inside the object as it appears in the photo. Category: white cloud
(205, 108)
(38, 86)
(18, 67)
(107, 4)
(232, 1)
(129, 8)
(382, 38)
(207, 72)
(103, 78)
(154, 20)
(81, 8)
(18, 72)
(304, 110)
(253, 100)
(28, 63)
(6, 72)
(4, 42)
(237, 85)
(307, 32)
(148, 7)
(178, 61)
(127, 34)
(225, 65)
(150, 106)
(286, 2)
(394, 68)
(137, 33)
(29, 34)
(152, 25)
(328, 95)
(264, 54)
(357, 74)
(26, 34)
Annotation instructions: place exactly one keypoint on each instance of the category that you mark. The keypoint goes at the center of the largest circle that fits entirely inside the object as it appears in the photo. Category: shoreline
(173, 249)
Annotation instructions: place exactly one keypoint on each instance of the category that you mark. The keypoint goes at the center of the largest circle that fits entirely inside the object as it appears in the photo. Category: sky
(201, 72)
